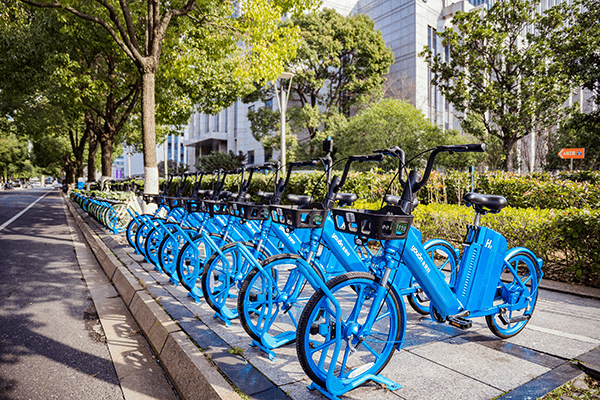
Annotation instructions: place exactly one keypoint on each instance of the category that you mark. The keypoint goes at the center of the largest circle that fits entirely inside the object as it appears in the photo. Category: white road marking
(10, 221)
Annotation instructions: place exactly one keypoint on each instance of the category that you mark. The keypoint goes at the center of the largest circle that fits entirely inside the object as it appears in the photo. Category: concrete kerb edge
(190, 372)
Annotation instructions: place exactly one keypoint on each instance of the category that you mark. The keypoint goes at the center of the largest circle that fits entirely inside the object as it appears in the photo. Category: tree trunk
(106, 147)
(149, 134)
(91, 161)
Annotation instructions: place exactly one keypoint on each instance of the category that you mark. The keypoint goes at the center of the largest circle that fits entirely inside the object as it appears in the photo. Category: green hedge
(540, 190)
(567, 240)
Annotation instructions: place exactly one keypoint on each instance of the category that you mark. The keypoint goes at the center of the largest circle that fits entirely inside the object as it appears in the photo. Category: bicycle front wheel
(223, 275)
(363, 349)
(270, 302)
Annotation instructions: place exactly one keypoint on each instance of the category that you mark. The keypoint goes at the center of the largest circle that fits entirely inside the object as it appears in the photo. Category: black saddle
(484, 203)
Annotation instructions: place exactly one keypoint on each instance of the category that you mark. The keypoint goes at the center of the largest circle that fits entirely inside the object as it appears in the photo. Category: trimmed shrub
(568, 241)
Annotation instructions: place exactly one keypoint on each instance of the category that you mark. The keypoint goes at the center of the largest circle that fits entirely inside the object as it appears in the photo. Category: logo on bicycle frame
(339, 241)
(420, 257)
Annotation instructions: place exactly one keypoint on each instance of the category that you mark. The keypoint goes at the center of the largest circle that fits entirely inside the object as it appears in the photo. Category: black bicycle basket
(217, 207)
(196, 206)
(173, 202)
(387, 223)
(311, 217)
(249, 210)
(153, 198)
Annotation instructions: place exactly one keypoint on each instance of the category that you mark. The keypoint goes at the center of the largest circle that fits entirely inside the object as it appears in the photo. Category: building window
(169, 150)
(217, 122)
(225, 128)
(251, 157)
(268, 154)
(269, 103)
(207, 126)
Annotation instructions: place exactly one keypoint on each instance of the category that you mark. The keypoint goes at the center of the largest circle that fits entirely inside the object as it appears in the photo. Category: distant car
(57, 184)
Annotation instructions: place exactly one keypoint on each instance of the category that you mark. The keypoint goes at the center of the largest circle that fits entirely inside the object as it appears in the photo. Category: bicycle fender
(539, 261)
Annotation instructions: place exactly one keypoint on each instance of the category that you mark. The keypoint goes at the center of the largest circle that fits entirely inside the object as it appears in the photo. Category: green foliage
(581, 130)
(540, 190)
(567, 240)
(392, 122)
(13, 152)
(173, 167)
(341, 61)
(509, 82)
(217, 160)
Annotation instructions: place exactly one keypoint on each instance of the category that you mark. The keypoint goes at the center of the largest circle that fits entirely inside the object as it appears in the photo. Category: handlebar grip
(368, 157)
(464, 148)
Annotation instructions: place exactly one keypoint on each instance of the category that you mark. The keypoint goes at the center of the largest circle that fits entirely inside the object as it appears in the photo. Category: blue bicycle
(351, 326)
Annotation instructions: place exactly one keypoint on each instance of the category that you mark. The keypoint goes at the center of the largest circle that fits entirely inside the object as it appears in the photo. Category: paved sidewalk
(437, 360)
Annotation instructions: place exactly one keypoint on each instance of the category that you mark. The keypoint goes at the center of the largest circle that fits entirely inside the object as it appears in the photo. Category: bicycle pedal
(459, 322)
(421, 296)
(506, 320)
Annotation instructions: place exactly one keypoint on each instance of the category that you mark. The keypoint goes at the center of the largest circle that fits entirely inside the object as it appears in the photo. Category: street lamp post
(282, 107)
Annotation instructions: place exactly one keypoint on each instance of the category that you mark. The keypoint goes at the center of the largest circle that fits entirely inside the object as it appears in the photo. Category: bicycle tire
(259, 307)
(221, 279)
(169, 249)
(444, 258)
(153, 241)
(316, 331)
(189, 267)
(140, 236)
(509, 292)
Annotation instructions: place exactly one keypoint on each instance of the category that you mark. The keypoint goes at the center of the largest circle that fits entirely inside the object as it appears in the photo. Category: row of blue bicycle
(330, 277)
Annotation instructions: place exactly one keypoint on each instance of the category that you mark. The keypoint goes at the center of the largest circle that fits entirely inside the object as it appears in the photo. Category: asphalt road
(51, 342)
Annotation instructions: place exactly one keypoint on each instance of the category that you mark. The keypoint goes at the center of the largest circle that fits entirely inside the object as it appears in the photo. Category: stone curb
(192, 375)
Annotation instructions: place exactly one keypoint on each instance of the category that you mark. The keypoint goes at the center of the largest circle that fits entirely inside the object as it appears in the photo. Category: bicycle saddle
(299, 200)
(483, 203)
(345, 199)
(393, 200)
(225, 194)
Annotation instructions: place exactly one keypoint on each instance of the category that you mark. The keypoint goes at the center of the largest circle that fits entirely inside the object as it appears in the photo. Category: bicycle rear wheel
(361, 352)
(518, 284)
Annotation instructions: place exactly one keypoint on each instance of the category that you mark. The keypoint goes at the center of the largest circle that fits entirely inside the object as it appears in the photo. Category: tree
(143, 29)
(13, 151)
(340, 62)
(225, 161)
(77, 74)
(506, 79)
(577, 48)
(174, 167)
(392, 122)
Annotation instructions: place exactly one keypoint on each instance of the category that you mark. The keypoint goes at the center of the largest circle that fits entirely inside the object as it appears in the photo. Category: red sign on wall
(571, 153)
